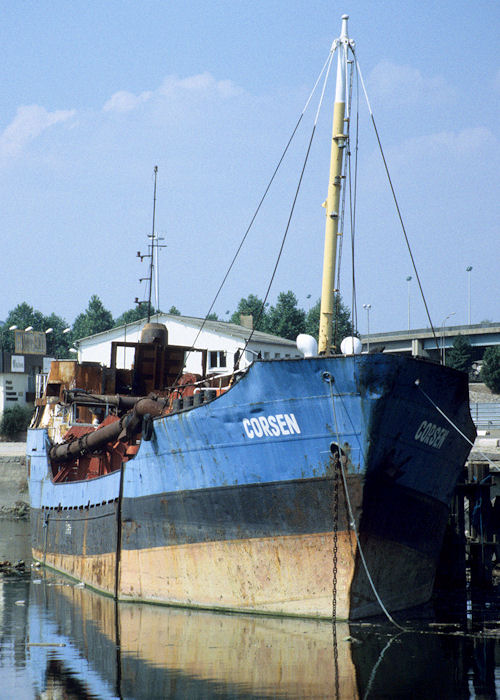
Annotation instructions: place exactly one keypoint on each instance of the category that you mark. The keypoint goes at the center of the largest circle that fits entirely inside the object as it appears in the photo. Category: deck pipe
(128, 425)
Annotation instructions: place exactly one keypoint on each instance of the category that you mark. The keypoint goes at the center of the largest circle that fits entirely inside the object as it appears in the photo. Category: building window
(276, 354)
(266, 355)
(217, 359)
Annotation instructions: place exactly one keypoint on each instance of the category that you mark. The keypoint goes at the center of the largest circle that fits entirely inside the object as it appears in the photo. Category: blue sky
(95, 94)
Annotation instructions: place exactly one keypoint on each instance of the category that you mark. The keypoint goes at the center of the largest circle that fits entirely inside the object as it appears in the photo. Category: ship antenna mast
(151, 262)
(153, 255)
(332, 204)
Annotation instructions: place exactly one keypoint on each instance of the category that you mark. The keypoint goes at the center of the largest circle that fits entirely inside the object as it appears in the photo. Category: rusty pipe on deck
(84, 398)
(128, 425)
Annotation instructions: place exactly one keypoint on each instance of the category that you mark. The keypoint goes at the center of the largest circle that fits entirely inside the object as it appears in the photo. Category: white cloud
(465, 142)
(444, 146)
(404, 85)
(30, 121)
(124, 101)
(203, 84)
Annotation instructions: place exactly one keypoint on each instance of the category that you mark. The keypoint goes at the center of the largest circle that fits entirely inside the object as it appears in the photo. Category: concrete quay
(14, 497)
(12, 449)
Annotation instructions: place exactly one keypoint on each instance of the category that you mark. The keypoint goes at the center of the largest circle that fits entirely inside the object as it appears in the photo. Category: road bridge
(423, 342)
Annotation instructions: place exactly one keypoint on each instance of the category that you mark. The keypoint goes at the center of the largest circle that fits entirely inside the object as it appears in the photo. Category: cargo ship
(313, 487)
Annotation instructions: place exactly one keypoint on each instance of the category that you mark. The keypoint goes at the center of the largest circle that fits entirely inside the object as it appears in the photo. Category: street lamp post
(367, 307)
(443, 349)
(468, 270)
(408, 279)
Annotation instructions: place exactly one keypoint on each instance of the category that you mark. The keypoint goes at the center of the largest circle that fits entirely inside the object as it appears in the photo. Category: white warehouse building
(222, 340)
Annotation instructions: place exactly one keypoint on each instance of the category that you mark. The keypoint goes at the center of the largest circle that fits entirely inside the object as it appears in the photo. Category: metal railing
(486, 415)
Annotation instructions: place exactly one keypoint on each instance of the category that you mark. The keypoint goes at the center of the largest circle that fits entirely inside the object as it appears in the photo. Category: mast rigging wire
(396, 201)
(297, 190)
(326, 65)
(264, 301)
(352, 200)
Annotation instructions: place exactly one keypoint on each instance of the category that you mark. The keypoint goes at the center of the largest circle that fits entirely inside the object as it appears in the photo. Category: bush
(490, 369)
(15, 420)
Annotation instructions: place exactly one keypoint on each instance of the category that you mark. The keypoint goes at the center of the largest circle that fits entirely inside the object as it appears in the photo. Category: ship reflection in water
(82, 645)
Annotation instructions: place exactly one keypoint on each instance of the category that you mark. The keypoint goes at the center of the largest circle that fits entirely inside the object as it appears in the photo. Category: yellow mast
(333, 199)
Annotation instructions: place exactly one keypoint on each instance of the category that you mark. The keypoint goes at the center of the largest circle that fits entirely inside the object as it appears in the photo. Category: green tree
(342, 325)
(251, 306)
(490, 369)
(136, 314)
(22, 316)
(174, 311)
(286, 319)
(312, 320)
(460, 355)
(58, 342)
(95, 319)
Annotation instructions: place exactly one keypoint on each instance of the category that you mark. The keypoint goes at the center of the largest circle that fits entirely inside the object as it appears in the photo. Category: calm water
(59, 640)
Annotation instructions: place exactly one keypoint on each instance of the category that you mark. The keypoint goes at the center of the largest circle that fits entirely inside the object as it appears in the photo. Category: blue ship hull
(231, 504)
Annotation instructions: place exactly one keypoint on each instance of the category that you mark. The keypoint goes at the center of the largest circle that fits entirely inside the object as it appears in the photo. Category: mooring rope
(494, 467)
(352, 519)
(377, 664)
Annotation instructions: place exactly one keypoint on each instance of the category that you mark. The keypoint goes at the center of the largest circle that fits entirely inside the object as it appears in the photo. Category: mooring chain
(335, 512)
(339, 470)
(334, 461)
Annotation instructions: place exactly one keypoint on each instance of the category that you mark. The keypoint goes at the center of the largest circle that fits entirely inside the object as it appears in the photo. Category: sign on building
(30, 342)
(17, 363)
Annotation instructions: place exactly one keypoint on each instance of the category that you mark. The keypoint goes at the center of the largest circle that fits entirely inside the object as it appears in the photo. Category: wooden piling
(470, 548)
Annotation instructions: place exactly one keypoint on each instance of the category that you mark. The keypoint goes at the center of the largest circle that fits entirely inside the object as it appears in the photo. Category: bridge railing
(486, 415)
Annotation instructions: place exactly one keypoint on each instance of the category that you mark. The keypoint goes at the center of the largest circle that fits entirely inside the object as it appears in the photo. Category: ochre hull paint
(281, 576)
(96, 571)
(295, 576)
(290, 575)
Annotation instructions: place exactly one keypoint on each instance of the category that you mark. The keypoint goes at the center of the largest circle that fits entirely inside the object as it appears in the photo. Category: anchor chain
(335, 512)
(335, 465)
